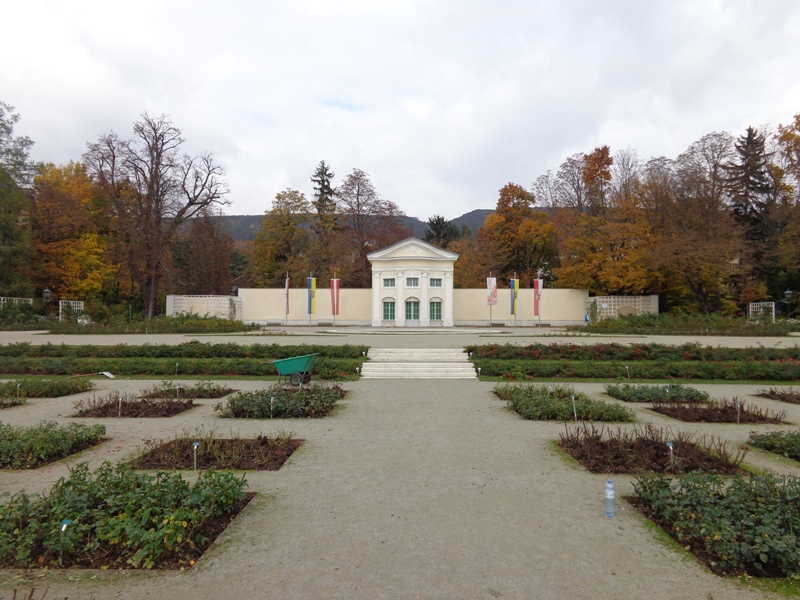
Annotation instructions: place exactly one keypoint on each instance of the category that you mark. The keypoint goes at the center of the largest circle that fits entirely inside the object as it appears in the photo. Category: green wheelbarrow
(295, 370)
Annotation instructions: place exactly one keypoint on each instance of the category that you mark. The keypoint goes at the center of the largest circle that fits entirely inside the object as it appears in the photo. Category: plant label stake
(177, 391)
(194, 449)
(574, 410)
(176, 368)
(271, 402)
(671, 455)
(628, 371)
(64, 525)
(549, 389)
(479, 371)
(119, 402)
(738, 411)
(19, 384)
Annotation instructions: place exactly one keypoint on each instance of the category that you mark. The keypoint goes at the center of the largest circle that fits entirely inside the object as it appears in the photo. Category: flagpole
(490, 306)
(333, 308)
(515, 291)
(286, 304)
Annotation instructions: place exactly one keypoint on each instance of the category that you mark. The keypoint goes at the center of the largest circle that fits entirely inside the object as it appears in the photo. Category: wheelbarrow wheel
(296, 378)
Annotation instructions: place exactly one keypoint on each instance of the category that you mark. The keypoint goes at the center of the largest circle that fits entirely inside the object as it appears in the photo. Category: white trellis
(8, 300)
(611, 307)
(69, 306)
(222, 307)
(761, 310)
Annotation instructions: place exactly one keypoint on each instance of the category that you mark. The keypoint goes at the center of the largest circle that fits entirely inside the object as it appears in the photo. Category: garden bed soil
(694, 413)
(791, 396)
(165, 456)
(139, 409)
(637, 456)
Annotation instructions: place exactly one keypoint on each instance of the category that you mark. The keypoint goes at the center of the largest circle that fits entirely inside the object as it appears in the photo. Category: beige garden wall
(268, 307)
(556, 307)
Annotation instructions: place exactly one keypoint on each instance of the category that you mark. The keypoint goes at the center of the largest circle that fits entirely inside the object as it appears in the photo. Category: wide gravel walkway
(413, 489)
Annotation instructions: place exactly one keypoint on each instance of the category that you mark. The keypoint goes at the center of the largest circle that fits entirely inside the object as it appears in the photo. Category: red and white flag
(537, 295)
(334, 297)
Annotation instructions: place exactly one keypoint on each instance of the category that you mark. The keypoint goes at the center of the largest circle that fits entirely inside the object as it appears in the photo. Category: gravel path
(413, 489)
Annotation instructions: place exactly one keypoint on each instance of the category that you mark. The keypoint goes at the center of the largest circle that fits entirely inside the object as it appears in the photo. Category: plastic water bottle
(610, 497)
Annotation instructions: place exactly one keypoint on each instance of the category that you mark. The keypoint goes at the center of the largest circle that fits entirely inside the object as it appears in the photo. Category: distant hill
(244, 227)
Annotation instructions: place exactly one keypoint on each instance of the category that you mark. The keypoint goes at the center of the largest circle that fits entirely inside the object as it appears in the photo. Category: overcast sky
(440, 102)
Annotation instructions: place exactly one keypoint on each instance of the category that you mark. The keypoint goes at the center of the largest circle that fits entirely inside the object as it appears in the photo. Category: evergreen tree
(748, 183)
(325, 226)
(15, 171)
(441, 232)
(750, 196)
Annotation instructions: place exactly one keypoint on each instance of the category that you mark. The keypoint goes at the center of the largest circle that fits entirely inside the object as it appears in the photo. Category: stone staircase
(408, 363)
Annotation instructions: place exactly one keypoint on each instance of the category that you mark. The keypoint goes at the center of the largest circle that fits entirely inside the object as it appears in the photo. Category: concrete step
(412, 363)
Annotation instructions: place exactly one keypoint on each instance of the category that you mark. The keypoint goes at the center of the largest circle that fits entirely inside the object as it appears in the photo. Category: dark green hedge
(630, 353)
(193, 349)
(788, 370)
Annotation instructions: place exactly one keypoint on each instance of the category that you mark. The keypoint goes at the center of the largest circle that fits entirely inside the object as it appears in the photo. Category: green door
(412, 313)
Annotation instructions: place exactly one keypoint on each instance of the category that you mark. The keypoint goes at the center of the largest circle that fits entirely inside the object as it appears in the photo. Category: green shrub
(656, 393)
(785, 443)
(118, 516)
(8, 402)
(555, 403)
(45, 388)
(176, 390)
(688, 324)
(278, 402)
(30, 447)
(744, 525)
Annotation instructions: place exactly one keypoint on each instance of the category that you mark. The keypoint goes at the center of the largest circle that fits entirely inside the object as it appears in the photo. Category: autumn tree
(202, 258)
(155, 188)
(596, 175)
(788, 207)
(72, 245)
(371, 223)
(517, 239)
(281, 245)
(697, 246)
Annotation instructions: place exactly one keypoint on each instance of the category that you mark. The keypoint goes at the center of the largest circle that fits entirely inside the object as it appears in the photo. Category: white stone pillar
(377, 307)
(447, 317)
(424, 301)
(400, 306)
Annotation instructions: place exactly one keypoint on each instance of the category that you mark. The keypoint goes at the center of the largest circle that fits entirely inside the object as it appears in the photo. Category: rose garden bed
(118, 518)
(602, 450)
(281, 402)
(263, 453)
(116, 404)
(745, 525)
(784, 395)
(32, 447)
(558, 403)
(720, 411)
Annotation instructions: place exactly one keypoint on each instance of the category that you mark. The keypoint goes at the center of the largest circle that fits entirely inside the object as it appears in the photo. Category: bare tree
(371, 221)
(154, 188)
